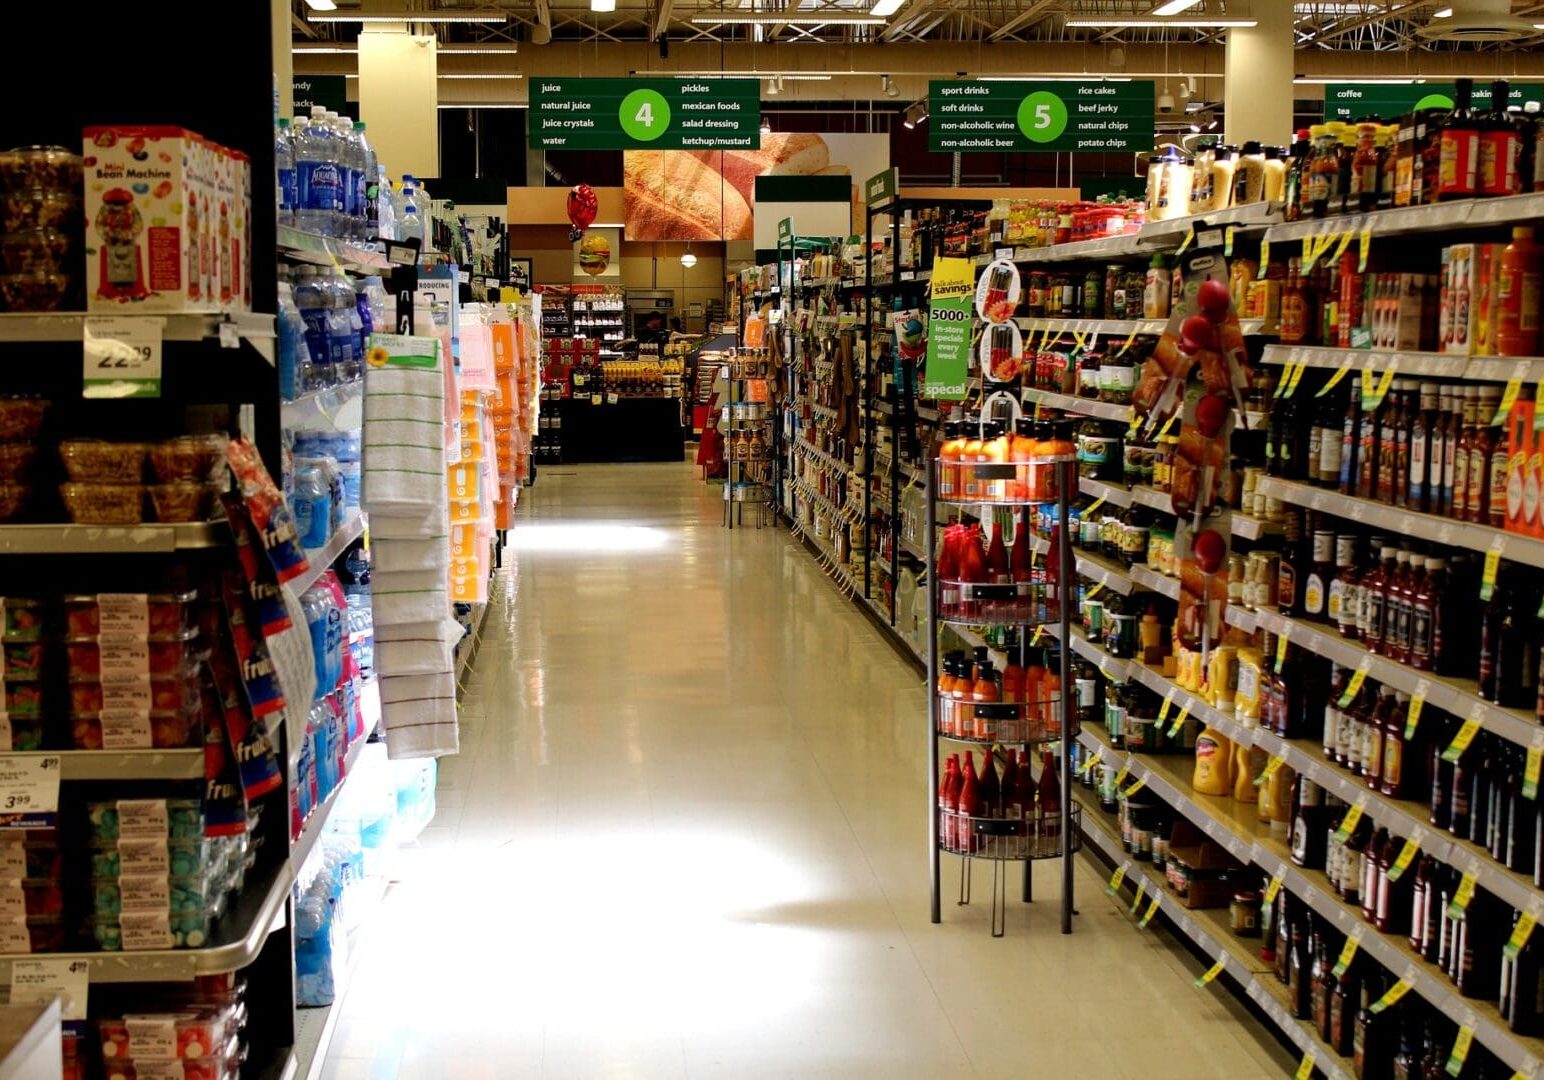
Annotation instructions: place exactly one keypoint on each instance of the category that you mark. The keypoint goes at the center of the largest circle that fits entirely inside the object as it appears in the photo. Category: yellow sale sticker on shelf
(1520, 934)
(1089, 763)
(1265, 259)
(1392, 995)
(1363, 249)
(1347, 954)
(1095, 591)
(1227, 240)
(1373, 395)
(1349, 822)
(1413, 717)
(1334, 380)
(1125, 771)
(1168, 424)
(1179, 721)
(1286, 377)
(1095, 505)
(1488, 573)
(1354, 687)
(1190, 237)
(1163, 710)
(1460, 1054)
(1141, 782)
(1039, 632)
(1405, 857)
(1461, 741)
(1281, 652)
(1304, 1067)
(1152, 909)
(1275, 884)
(1508, 399)
(1462, 896)
(1136, 901)
(1115, 880)
(1297, 377)
(1212, 972)
(1531, 766)
(1269, 769)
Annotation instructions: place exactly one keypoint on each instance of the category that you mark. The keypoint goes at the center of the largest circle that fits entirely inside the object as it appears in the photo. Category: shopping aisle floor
(686, 836)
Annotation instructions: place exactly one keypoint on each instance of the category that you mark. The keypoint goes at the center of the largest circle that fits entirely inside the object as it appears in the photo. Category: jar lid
(1247, 896)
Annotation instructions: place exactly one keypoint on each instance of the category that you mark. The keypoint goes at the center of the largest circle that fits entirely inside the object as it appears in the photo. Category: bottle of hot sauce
(1459, 147)
(969, 806)
(948, 800)
(1050, 798)
(985, 690)
(991, 790)
(997, 556)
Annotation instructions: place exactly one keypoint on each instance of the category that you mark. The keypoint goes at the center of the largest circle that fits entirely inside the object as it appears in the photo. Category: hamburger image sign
(594, 254)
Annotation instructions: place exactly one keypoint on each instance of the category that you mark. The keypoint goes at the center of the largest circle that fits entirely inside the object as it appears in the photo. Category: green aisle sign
(1388, 101)
(645, 114)
(987, 117)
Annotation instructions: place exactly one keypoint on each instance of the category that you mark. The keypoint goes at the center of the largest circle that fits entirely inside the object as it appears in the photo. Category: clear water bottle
(311, 302)
(379, 301)
(353, 173)
(294, 354)
(342, 328)
(368, 207)
(312, 507)
(284, 157)
(318, 174)
(366, 316)
(385, 207)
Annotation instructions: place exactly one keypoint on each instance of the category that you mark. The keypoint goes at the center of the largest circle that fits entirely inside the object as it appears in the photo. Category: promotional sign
(1022, 116)
(328, 91)
(948, 329)
(880, 188)
(626, 114)
(1351, 101)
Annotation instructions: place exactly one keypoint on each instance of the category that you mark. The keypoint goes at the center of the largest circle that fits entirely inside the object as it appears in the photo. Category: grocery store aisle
(686, 836)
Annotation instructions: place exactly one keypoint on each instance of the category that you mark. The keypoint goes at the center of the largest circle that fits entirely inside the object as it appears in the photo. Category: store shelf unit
(1501, 369)
(1408, 220)
(1104, 410)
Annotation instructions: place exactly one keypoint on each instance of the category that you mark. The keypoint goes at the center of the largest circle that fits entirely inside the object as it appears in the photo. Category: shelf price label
(1531, 765)
(1152, 909)
(1521, 931)
(654, 114)
(1417, 703)
(1269, 769)
(1400, 988)
(1508, 399)
(1304, 1067)
(1179, 721)
(1136, 901)
(1347, 954)
(1461, 741)
(1163, 710)
(1464, 893)
(1125, 771)
(1460, 1054)
(1212, 972)
(1407, 853)
(122, 356)
(1334, 380)
(1281, 651)
(1141, 782)
(1488, 572)
(37, 982)
(1354, 687)
(1089, 763)
(1043, 117)
(1115, 880)
(1349, 822)
(29, 791)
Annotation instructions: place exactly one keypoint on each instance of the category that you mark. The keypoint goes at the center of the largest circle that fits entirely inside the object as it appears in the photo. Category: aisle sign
(880, 189)
(645, 114)
(1353, 100)
(949, 322)
(988, 117)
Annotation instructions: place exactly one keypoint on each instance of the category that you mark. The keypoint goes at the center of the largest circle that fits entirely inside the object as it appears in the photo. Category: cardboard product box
(146, 189)
(1469, 299)
(1521, 515)
(1198, 869)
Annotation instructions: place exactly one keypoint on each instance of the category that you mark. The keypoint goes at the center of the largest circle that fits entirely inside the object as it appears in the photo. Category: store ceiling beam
(661, 17)
(1023, 18)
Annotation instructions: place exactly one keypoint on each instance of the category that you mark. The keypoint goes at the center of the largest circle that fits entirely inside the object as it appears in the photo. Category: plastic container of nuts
(98, 461)
(104, 504)
(34, 250)
(188, 459)
(47, 168)
(36, 290)
(21, 418)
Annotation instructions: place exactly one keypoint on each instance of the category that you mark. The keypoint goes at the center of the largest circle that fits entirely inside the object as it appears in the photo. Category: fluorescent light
(479, 50)
(480, 75)
(792, 76)
(322, 5)
(885, 8)
(410, 16)
(1174, 7)
(603, 5)
(1182, 24)
(318, 50)
(1442, 13)
(1052, 78)
(791, 19)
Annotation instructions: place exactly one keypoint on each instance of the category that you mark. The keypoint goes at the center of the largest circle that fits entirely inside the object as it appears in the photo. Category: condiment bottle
(1518, 294)
(1459, 147)
(1364, 167)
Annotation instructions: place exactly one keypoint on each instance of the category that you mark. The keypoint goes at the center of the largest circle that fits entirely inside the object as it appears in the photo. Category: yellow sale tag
(1120, 776)
(1096, 504)
(1089, 763)
(1386, 381)
(1488, 573)
(1508, 399)
(1354, 687)
(1127, 345)
(1275, 886)
(1115, 880)
(1531, 771)
(1286, 378)
(1281, 652)
(1163, 710)
(1269, 770)
(1412, 717)
(1211, 973)
(1136, 787)
(1136, 901)
(1152, 909)
(1095, 591)
(1461, 896)
(1190, 236)
(1520, 933)
(1265, 258)
(1179, 721)
(1227, 240)
(1167, 424)
(1347, 954)
(1334, 380)
(1348, 823)
(1403, 860)
(1392, 996)
(1462, 740)
(1368, 382)
(1364, 249)
(1305, 260)
(1455, 1061)
(1297, 377)
(1039, 631)
(1304, 1067)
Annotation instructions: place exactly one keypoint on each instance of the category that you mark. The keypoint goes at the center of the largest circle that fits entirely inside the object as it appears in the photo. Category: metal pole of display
(868, 388)
(1066, 481)
(932, 695)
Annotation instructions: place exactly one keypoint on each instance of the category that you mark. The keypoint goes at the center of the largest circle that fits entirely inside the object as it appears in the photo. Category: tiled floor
(686, 836)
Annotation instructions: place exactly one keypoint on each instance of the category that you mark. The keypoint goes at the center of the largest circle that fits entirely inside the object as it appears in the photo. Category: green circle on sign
(1433, 101)
(645, 114)
(1042, 116)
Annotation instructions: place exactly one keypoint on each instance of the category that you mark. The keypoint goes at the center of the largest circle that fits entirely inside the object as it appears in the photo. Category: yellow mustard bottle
(1248, 763)
(1214, 763)
(1246, 698)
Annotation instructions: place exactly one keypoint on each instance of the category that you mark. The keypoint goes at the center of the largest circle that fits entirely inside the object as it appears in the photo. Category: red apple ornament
(1211, 415)
(1210, 550)
(1213, 298)
(1197, 330)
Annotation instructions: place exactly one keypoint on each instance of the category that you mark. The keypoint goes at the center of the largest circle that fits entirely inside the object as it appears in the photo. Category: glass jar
(1244, 913)
(1117, 378)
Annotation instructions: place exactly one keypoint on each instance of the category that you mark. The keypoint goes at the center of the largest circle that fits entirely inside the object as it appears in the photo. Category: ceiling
(1320, 25)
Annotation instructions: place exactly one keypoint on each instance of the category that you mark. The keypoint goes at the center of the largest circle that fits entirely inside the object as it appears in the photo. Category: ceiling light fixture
(480, 75)
(786, 20)
(410, 17)
(916, 113)
(883, 9)
(1442, 13)
(603, 5)
(479, 50)
(688, 260)
(774, 86)
(1182, 24)
(322, 5)
(766, 124)
(1174, 7)
(889, 87)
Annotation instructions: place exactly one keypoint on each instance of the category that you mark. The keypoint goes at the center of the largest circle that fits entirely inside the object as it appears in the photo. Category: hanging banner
(948, 330)
(1025, 116)
(1353, 100)
(625, 114)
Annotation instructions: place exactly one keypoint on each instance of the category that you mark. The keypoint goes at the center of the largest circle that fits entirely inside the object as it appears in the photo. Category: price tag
(1179, 721)
(1334, 380)
(612, 399)
(1395, 992)
(1095, 591)
(1088, 765)
(1348, 823)
(1461, 741)
(1406, 854)
(1190, 236)
(1152, 909)
(37, 982)
(1354, 687)
(1281, 652)
(1508, 399)
(1460, 1054)
(1274, 886)
(1413, 717)
(1168, 424)
(595, 399)
(1306, 259)
(1227, 240)
(1269, 770)
(1115, 880)
(1347, 954)
(1531, 766)
(29, 791)
(1304, 1067)
(1297, 377)
(1372, 396)
(121, 356)
(1521, 931)
(1136, 901)
(1265, 259)
(1286, 377)
(1095, 505)
(1364, 249)
(1464, 893)
(1215, 970)
(1136, 787)
(1488, 574)
(1125, 771)
(1039, 630)
(1163, 710)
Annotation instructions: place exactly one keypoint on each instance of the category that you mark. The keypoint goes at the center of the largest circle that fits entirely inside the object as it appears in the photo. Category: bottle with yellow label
(1214, 763)
(1246, 698)
(1248, 763)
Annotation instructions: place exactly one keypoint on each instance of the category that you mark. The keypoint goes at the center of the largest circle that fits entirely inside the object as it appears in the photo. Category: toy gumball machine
(118, 225)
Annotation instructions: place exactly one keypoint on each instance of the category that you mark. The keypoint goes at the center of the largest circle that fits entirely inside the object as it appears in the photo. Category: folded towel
(388, 555)
(415, 526)
(417, 648)
(404, 427)
(420, 715)
(408, 597)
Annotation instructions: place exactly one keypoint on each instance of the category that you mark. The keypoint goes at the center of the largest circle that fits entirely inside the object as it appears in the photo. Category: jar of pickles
(1117, 378)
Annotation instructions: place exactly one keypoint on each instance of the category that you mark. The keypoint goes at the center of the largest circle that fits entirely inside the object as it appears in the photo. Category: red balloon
(1210, 549)
(582, 206)
(1211, 414)
(1213, 298)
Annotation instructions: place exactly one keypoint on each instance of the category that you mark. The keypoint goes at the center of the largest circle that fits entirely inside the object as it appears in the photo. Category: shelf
(1128, 245)
(1514, 547)
(1469, 213)
(830, 507)
(823, 457)
(1111, 575)
(126, 764)
(1118, 327)
(63, 539)
(70, 325)
(321, 250)
(1114, 494)
(1412, 362)
(332, 408)
(1161, 584)
(1104, 410)
(241, 932)
(319, 559)
(466, 648)
(1208, 929)
(1236, 826)
(1251, 217)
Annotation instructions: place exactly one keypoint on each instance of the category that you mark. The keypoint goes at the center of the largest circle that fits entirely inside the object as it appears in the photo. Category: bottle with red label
(1500, 146)
(1458, 173)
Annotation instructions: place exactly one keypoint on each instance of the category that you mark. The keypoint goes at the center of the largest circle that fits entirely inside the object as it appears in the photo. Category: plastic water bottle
(366, 316)
(353, 200)
(342, 328)
(385, 209)
(317, 173)
(313, 513)
(284, 157)
(378, 301)
(368, 206)
(294, 354)
(311, 302)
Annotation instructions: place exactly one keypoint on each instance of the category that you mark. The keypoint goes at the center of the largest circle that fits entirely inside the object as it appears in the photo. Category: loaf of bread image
(672, 195)
(790, 154)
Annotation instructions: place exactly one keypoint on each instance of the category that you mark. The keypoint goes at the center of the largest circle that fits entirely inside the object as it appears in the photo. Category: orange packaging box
(1520, 447)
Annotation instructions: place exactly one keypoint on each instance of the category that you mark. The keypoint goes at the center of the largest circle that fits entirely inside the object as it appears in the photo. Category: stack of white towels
(404, 489)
